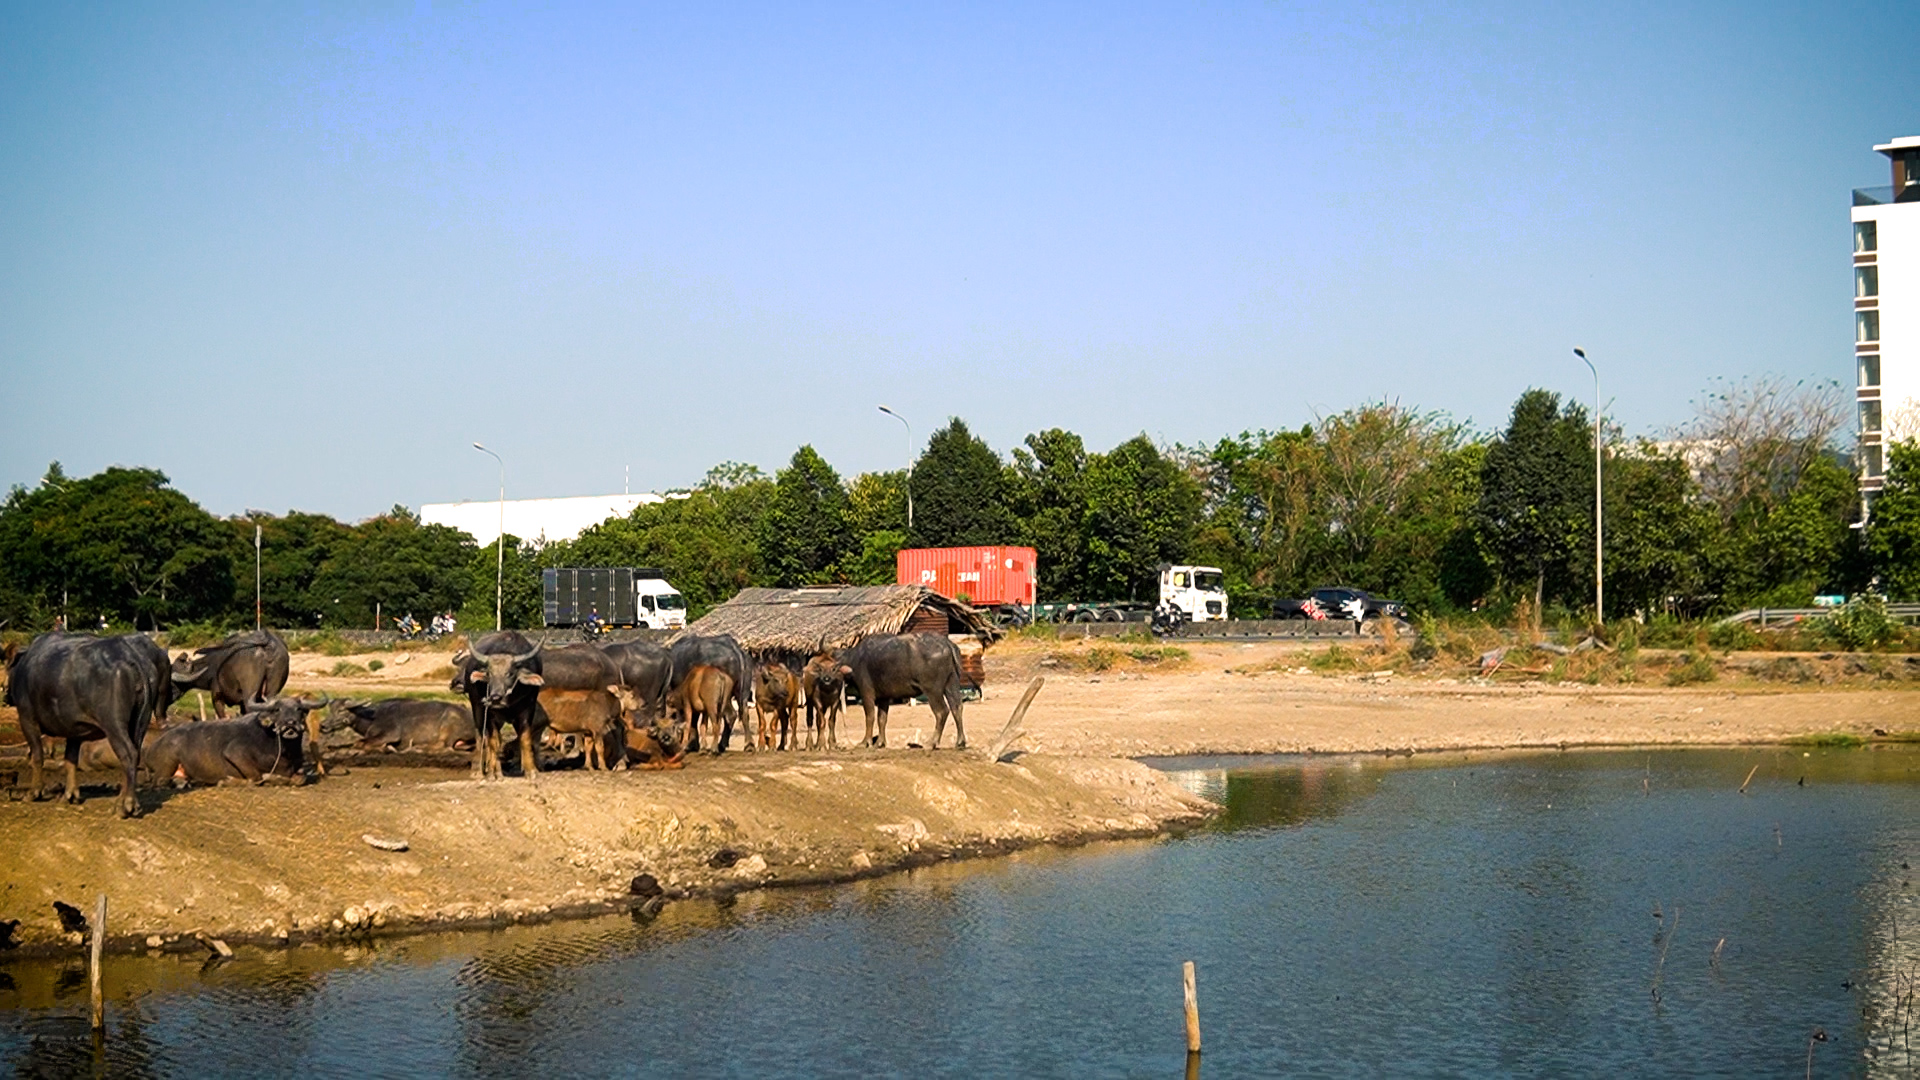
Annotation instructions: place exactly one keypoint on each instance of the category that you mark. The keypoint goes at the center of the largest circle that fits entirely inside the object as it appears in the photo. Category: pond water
(1591, 913)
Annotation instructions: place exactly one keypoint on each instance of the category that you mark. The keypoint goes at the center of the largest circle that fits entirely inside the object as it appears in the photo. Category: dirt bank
(285, 863)
(1269, 698)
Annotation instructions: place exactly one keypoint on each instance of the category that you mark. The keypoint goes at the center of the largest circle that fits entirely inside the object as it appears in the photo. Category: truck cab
(1198, 591)
(658, 605)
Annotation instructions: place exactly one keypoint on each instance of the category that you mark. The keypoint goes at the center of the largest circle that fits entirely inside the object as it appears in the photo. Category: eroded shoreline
(285, 865)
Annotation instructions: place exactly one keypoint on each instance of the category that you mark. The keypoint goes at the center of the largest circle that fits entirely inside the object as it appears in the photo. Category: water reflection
(1543, 915)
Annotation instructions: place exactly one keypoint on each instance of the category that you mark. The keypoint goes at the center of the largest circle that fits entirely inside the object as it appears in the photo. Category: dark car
(1340, 602)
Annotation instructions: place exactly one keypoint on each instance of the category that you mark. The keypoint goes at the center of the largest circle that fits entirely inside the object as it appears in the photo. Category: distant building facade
(544, 520)
(1886, 310)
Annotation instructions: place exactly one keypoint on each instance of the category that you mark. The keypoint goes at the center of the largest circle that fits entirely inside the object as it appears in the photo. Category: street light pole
(1599, 564)
(909, 427)
(499, 542)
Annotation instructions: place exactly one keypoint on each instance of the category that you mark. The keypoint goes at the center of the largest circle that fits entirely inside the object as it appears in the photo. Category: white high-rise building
(1886, 310)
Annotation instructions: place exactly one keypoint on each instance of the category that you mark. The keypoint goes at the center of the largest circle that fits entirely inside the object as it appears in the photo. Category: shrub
(1693, 668)
(346, 669)
(1733, 636)
(1158, 654)
(1862, 624)
(375, 665)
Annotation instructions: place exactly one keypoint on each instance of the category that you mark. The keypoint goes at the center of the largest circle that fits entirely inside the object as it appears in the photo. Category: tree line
(1751, 503)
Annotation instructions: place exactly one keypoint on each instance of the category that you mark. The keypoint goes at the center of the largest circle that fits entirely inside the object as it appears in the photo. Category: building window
(1869, 416)
(1866, 326)
(1866, 282)
(1869, 369)
(1871, 452)
(1864, 237)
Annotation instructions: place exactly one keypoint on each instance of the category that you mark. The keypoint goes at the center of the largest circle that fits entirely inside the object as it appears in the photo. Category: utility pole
(1599, 555)
(909, 427)
(256, 575)
(499, 542)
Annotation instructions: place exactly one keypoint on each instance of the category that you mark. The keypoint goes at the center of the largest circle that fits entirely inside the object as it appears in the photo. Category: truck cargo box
(982, 576)
(568, 594)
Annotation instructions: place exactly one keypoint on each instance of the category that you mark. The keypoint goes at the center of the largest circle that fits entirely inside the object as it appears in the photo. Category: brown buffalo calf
(825, 691)
(592, 714)
(703, 694)
(776, 694)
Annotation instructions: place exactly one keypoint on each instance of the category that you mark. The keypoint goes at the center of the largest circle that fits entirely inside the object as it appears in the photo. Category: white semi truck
(1199, 592)
(621, 595)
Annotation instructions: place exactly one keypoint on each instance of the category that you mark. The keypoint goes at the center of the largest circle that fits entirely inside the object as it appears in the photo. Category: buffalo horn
(521, 658)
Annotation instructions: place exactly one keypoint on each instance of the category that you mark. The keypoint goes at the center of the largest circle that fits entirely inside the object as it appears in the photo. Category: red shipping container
(985, 576)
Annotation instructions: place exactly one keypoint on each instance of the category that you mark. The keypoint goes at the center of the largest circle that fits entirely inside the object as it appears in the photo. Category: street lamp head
(1579, 352)
(483, 449)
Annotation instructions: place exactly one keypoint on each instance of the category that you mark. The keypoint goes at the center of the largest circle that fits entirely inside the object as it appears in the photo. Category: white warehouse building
(544, 520)
(1886, 310)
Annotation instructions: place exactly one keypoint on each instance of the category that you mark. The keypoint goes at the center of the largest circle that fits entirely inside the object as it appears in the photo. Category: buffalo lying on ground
(890, 669)
(410, 724)
(719, 651)
(246, 667)
(501, 674)
(80, 687)
(264, 741)
(776, 696)
(644, 669)
(825, 691)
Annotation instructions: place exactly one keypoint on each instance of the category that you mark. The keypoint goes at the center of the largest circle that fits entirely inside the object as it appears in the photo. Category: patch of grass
(443, 673)
(324, 642)
(375, 665)
(1158, 654)
(1830, 739)
(347, 669)
(1693, 668)
(1336, 658)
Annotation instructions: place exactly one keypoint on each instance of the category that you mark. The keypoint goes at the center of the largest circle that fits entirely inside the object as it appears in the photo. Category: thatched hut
(793, 624)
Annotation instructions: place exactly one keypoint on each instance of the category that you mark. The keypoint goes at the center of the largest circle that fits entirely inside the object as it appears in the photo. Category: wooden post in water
(1193, 1009)
(99, 940)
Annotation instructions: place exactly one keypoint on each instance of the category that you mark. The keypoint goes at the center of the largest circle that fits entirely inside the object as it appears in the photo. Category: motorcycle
(1167, 620)
(593, 629)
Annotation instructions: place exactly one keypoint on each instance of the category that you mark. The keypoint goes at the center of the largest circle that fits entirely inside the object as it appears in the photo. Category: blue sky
(301, 258)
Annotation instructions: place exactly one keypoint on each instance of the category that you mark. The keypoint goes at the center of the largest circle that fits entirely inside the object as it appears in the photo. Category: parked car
(1340, 602)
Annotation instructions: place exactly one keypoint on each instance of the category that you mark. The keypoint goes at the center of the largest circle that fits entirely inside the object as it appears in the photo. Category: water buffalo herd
(628, 703)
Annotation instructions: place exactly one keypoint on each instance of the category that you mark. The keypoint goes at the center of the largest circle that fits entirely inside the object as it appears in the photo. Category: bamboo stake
(99, 940)
(1749, 779)
(1193, 1009)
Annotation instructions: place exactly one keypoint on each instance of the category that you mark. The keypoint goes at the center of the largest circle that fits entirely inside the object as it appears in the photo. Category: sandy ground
(282, 863)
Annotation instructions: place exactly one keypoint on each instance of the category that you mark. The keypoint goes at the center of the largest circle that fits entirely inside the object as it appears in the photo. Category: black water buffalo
(502, 677)
(720, 651)
(80, 687)
(266, 740)
(245, 667)
(410, 724)
(644, 669)
(889, 669)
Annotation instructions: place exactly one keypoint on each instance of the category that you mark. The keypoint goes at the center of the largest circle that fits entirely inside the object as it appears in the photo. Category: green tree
(960, 492)
(120, 544)
(877, 502)
(705, 541)
(1660, 537)
(804, 535)
(1049, 496)
(1536, 492)
(1264, 521)
(292, 550)
(517, 575)
(1142, 510)
(396, 565)
(1893, 529)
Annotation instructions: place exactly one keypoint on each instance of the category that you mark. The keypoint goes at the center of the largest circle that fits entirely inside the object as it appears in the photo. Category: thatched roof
(808, 621)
